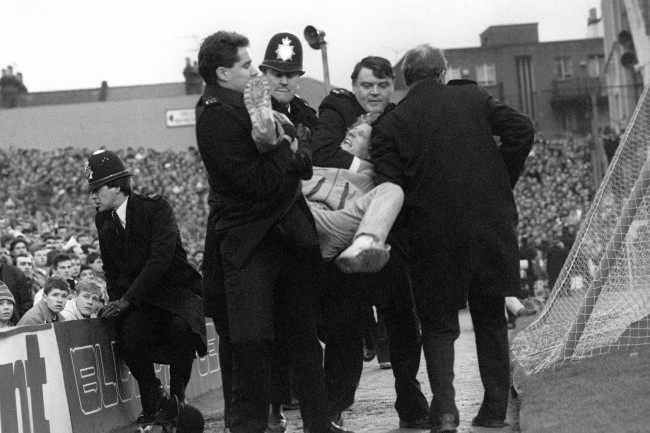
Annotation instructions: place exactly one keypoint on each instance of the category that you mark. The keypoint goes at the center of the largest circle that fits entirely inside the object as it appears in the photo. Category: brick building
(553, 82)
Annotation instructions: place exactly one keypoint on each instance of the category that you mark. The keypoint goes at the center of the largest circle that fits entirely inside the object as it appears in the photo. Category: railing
(577, 89)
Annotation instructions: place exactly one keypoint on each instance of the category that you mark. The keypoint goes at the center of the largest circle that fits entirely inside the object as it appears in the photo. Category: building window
(486, 74)
(563, 68)
(453, 74)
(595, 65)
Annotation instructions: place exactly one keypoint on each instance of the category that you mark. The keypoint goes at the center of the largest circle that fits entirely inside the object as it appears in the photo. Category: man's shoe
(386, 365)
(294, 405)
(364, 255)
(488, 422)
(145, 418)
(368, 353)
(169, 407)
(335, 428)
(257, 99)
(277, 423)
(446, 424)
(337, 418)
(420, 423)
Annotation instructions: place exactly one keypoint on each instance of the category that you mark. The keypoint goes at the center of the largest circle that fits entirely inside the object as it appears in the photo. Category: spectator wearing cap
(82, 306)
(19, 287)
(8, 316)
(153, 290)
(48, 310)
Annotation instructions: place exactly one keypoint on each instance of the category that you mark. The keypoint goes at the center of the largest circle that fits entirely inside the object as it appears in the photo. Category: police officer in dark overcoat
(154, 293)
(261, 252)
(283, 76)
(347, 295)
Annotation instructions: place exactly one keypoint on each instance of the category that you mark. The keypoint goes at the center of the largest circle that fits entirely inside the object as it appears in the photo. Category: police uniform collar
(214, 92)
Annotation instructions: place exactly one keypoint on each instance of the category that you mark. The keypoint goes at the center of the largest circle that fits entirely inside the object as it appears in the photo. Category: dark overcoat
(336, 113)
(148, 263)
(460, 214)
(249, 191)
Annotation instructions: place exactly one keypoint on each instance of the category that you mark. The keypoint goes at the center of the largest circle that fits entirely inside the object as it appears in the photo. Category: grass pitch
(607, 393)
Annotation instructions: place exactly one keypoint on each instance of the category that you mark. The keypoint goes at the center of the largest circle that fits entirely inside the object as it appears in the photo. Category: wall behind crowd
(110, 124)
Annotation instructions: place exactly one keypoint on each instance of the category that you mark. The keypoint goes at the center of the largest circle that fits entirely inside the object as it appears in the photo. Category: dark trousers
(276, 287)
(439, 332)
(381, 339)
(345, 302)
(149, 334)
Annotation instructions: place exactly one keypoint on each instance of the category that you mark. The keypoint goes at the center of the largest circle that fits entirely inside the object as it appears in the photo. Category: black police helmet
(103, 167)
(284, 54)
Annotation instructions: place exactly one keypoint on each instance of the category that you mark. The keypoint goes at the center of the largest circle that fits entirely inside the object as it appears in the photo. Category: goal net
(601, 299)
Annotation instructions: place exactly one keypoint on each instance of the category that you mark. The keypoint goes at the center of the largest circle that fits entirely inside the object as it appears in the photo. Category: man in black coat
(283, 77)
(261, 252)
(153, 290)
(347, 295)
(460, 216)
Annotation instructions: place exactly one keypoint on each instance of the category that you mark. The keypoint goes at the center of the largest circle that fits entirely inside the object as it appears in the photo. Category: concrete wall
(112, 124)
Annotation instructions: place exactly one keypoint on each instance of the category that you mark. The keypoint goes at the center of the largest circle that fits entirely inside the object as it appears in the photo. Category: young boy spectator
(61, 267)
(55, 295)
(86, 273)
(84, 304)
(8, 316)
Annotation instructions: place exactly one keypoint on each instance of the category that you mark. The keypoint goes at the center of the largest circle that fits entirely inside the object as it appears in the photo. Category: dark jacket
(148, 264)
(249, 191)
(438, 145)
(299, 112)
(338, 111)
(19, 286)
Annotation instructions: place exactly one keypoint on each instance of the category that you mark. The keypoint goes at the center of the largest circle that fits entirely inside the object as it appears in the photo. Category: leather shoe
(333, 428)
(488, 422)
(446, 424)
(145, 418)
(420, 423)
(337, 418)
(277, 423)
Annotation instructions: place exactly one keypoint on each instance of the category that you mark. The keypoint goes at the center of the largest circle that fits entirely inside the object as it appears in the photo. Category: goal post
(610, 309)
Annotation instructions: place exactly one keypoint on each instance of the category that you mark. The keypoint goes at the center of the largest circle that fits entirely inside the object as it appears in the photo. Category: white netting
(601, 300)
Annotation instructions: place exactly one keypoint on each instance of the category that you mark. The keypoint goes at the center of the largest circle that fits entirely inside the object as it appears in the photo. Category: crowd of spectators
(553, 196)
(44, 201)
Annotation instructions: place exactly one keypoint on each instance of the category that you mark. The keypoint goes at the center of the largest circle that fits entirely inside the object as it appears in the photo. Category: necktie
(118, 223)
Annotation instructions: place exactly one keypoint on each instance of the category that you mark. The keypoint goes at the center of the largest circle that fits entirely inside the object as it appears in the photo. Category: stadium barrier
(66, 378)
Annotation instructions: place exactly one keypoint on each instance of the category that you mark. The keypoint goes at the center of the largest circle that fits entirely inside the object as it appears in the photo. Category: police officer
(389, 289)
(282, 67)
(261, 250)
(153, 290)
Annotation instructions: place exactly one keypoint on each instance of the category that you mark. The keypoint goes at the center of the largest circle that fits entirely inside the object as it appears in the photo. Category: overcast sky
(67, 44)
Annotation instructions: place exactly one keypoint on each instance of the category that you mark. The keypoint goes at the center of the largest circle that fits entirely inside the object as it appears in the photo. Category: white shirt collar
(121, 212)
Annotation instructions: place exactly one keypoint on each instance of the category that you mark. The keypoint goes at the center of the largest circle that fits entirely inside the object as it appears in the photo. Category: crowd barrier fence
(66, 378)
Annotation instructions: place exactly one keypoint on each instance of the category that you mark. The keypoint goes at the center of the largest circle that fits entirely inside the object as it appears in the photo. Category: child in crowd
(48, 310)
(84, 304)
(8, 316)
(86, 273)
